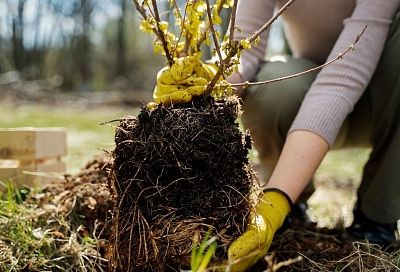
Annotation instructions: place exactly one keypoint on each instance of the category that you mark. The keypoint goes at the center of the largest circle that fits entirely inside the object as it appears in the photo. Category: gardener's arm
(300, 158)
(330, 99)
(334, 93)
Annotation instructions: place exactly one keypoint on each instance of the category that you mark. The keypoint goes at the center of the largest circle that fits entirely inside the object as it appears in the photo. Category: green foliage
(203, 253)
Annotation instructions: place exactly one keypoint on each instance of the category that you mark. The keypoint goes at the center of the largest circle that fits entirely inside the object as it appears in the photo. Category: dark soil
(180, 171)
(84, 199)
(306, 248)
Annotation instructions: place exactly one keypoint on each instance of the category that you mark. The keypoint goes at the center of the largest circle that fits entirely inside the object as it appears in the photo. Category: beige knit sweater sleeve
(251, 16)
(338, 86)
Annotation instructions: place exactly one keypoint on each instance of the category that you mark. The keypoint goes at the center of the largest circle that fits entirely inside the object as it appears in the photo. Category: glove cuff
(288, 219)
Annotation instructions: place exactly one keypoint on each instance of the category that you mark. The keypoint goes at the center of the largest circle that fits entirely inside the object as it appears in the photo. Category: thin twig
(222, 66)
(214, 35)
(339, 56)
(234, 46)
(178, 10)
(140, 9)
(204, 34)
(157, 31)
(256, 34)
(182, 26)
(179, 14)
(233, 20)
(161, 33)
(188, 36)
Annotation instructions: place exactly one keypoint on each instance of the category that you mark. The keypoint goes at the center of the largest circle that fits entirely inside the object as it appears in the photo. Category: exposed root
(179, 172)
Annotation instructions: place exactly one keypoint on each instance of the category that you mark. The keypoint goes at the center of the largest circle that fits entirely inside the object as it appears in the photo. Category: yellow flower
(201, 7)
(228, 4)
(146, 26)
(163, 26)
(245, 43)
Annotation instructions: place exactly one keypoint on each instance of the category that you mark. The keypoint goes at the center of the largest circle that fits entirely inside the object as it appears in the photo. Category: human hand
(187, 77)
(251, 246)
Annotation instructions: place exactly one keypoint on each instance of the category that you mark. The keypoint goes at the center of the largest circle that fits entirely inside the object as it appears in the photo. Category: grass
(86, 137)
(37, 238)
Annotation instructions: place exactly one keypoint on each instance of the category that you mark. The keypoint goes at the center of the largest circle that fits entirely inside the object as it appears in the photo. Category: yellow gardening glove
(187, 77)
(251, 246)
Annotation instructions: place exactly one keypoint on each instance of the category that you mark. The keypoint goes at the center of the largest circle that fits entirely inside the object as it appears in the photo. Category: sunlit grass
(344, 163)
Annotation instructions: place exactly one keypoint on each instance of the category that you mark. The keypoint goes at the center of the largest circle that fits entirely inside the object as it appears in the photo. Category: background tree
(18, 48)
(121, 40)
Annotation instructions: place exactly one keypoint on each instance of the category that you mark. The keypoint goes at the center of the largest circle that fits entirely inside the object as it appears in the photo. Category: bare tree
(17, 38)
(121, 39)
(1, 46)
(83, 52)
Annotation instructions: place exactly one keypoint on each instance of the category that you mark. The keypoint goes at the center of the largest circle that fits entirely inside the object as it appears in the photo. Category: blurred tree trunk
(1, 47)
(121, 40)
(35, 57)
(83, 49)
(38, 22)
(17, 38)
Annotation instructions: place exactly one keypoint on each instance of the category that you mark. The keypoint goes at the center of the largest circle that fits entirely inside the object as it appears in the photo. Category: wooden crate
(32, 156)
(32, 143)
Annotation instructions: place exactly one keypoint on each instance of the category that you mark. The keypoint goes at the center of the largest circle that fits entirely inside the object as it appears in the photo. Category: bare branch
(339, 56)
(140, 9)
(256, 34)
(235, 47)
(161, 33)
(178, 12)
(233, 20)
(214, 35)
(157, 31)
(182, 29)
(204, 35)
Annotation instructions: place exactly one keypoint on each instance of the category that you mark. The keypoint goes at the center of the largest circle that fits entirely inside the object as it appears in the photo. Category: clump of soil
(83, 198)
(180, 171)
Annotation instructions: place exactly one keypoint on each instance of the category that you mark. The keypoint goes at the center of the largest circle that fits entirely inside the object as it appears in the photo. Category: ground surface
(330, 206)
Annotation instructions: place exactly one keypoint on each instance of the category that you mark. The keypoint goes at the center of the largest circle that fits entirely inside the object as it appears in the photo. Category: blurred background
(80, 45)
(78, 63)
(75, 45)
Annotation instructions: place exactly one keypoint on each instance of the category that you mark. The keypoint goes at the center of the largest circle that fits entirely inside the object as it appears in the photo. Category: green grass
(86, 137)
(38, 238)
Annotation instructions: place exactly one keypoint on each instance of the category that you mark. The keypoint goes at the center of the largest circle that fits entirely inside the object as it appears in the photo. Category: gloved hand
(252, 245)
(187, 77)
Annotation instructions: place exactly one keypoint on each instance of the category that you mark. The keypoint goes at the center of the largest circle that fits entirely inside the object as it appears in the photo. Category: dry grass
(34, 238)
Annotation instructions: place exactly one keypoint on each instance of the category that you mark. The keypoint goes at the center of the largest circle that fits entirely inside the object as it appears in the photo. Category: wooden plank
(41, 174)
(33, 175)
(53, 166)
(8, 172)
(32, 143)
